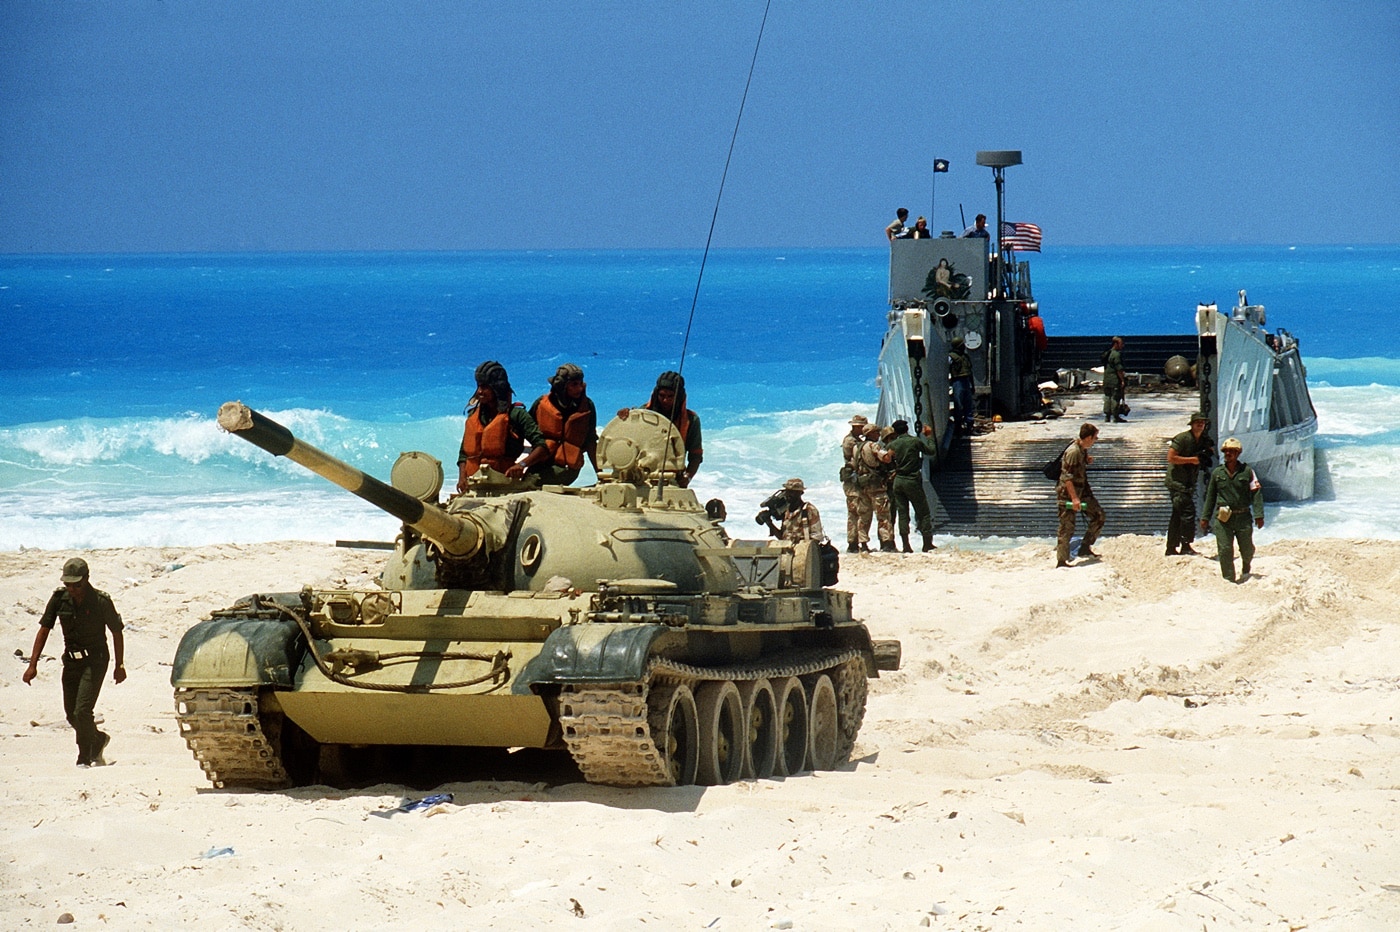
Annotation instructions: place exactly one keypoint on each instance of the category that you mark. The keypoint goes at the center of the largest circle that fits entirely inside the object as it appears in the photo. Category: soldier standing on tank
(855, 501)
(496, 430)
(908, 453)
(874, 466)
(1115, 381)
(569, 421)
(1185, 457)
(1236, 492)
(668, 399)
(1074, 496)
(86, 615)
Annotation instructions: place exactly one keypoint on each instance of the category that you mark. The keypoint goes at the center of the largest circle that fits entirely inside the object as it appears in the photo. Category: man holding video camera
(801, 521)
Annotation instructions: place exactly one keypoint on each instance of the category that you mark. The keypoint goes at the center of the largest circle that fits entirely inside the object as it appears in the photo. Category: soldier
(1073, 495)
(960, 376)
(86, 615)
(801, 521)
(909, 452)
(874, 467)
(1115, 381)
(668, 398)
(855, 542)
(496, 430)
(1236, 492)
(569, 421)
(1184, 460)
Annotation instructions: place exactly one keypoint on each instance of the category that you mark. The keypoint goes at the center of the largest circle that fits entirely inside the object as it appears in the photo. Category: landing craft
(1254, 388)
(1250, 383)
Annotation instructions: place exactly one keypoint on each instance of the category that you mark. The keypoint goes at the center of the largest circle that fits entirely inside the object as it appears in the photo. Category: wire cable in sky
(685, 344)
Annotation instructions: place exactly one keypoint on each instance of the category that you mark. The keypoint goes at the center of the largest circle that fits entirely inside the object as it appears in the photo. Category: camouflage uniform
(1074, 469)
(872, 475)
(801, 524)
(854, 499)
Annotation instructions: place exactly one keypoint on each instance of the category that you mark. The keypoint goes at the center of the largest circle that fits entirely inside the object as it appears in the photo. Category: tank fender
(590, 653)
(239, 650)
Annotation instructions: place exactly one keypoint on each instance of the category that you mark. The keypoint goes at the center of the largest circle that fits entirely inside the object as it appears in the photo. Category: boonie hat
(860, 420)
(794, 485)
(1197, 416)
(872, 430)
(75, 570)
(1232, 444)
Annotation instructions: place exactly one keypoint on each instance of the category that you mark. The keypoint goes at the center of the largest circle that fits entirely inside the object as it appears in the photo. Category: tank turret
(616, 621)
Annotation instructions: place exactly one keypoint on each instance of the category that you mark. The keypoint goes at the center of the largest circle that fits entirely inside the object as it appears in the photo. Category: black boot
(1173, 538)
(928, 543)
(904, 539)
(853, 547)
(887, 546)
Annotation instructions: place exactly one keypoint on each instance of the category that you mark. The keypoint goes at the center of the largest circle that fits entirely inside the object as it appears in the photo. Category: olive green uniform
(1113, 383)
(909, 452)
(1074, 471)
(1244, 496)
(1182, 480)
(85, 659)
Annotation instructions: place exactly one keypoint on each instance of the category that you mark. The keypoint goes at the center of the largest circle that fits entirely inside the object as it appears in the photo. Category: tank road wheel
(722, 733)
(761, 744)
(822, 713)
(790, 704)
(851, 686)
(674, 731)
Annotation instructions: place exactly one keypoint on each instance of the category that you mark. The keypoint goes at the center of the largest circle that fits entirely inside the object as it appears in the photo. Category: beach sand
(1131, 743)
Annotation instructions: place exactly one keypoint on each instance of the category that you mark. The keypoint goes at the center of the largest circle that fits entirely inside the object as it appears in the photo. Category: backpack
(1052, 467)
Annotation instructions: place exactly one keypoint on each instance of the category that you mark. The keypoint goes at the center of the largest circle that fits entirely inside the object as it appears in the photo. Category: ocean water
(114, 365)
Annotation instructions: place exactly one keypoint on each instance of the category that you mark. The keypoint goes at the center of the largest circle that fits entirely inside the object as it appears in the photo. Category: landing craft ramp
(991, 485)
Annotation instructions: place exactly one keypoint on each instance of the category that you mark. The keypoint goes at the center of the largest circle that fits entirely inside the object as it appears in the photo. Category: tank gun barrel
(458, 535)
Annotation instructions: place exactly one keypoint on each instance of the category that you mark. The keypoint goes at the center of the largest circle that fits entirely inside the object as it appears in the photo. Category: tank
(617, 621)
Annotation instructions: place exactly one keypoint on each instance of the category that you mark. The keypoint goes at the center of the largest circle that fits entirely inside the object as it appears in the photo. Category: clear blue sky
(135, 125)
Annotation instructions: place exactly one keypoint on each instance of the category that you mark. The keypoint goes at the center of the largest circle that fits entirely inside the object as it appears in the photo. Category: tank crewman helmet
(794, 485)
(565, 374)
(75, 570)
(1232, 444)
(1197, 416)
(492, 375)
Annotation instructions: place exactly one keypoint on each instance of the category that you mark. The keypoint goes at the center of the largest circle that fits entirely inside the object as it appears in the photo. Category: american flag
(1022, 237)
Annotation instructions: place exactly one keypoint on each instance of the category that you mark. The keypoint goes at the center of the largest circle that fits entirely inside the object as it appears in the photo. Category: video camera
(774, 508)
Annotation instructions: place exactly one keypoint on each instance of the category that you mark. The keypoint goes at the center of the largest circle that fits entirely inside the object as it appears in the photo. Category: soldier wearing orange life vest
(496, 430)
(668, 398)
(569, 421)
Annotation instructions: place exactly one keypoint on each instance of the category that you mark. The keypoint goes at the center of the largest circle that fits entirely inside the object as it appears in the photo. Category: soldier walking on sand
(1184, 459)
(86, 615)
(855, 521)
(1234, 495)
(1073, 496)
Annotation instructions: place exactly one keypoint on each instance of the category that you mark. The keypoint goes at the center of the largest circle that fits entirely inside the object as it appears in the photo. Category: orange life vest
(564, 436)
(487, 445)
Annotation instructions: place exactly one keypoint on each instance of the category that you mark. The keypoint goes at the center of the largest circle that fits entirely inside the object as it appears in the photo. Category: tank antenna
(685, 344)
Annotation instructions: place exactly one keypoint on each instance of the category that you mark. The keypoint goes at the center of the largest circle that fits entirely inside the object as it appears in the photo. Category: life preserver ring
(487, 445)
(564, 436)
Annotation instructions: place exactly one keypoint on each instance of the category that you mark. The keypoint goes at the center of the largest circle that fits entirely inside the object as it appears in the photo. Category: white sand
(1132, 743)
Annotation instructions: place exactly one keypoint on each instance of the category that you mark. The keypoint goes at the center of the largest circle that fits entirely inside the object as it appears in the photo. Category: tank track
(607, 727)
(223, 729)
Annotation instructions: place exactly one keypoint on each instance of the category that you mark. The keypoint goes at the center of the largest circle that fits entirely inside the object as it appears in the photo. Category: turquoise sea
(114, 365)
